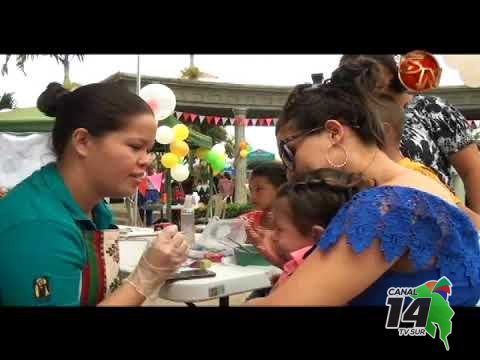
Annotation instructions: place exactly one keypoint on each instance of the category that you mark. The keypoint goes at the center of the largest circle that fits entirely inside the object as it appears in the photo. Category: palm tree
(65, 61)
(193, 72)
(20, 59)
(7, 101)
(61, 59)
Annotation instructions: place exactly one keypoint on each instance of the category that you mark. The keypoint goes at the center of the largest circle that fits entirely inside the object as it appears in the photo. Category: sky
(282, 70)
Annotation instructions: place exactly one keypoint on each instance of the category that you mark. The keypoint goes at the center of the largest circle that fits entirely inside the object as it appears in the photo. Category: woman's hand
(162, 258)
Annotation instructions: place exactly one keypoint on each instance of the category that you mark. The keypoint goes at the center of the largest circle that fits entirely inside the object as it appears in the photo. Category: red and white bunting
(224, 121)
(474, 124)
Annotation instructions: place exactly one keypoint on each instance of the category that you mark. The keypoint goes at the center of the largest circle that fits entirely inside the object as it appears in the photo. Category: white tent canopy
(22, 154)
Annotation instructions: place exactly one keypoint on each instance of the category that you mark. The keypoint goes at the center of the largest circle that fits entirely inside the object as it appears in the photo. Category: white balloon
(470, 73)
(161, 99)
(453, 60)
(467, 66)
(165, 135)
(180, 173)
(219, 148)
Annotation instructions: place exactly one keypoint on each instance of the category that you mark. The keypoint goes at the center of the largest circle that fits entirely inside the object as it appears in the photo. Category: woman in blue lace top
(403, 232)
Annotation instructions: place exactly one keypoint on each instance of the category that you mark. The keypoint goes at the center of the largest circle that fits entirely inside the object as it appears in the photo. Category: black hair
(387, 61)
(227, 175)
(99, 108)
(273, 171)
(391, 113)
(315, 197)
(349, 96)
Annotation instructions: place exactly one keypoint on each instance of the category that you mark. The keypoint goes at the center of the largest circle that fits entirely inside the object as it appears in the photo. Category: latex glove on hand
(161, 258)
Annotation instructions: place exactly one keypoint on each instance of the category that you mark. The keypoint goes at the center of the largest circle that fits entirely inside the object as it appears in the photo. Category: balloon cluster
(162, 102)
(245, 149)
(215, 157)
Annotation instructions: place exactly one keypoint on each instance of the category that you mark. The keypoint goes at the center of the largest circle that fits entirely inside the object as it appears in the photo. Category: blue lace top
(405, 219)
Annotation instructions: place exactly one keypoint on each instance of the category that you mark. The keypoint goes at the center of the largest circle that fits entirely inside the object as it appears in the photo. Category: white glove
(160, 259)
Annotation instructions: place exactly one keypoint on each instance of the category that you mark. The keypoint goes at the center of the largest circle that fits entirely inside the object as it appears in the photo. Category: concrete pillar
(240, 163)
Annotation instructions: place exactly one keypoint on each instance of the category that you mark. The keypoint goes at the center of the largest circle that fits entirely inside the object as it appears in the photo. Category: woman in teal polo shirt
(58, 244)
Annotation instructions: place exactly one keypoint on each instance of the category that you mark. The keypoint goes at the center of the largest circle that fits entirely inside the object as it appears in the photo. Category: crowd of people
(362, 199)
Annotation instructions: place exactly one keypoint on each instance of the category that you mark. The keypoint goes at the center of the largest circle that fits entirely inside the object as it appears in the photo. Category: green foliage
(22, 59)
(7, 101)
(191, 73)
(233, 210)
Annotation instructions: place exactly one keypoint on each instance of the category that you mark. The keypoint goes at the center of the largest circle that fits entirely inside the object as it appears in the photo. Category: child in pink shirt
(301, 213)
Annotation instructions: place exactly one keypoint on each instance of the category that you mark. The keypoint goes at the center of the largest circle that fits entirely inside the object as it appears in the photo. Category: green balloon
(218, 165)
(211, 156)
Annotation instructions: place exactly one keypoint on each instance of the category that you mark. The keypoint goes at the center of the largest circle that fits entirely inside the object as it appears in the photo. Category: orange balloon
(179, 148)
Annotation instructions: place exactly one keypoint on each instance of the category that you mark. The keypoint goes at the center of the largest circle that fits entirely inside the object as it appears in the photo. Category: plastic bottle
(187, 220)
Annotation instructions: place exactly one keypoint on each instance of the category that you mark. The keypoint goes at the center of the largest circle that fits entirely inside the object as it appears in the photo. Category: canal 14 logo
(428, 310)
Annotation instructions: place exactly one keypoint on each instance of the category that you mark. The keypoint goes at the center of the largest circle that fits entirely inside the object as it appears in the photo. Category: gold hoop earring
(327, 157)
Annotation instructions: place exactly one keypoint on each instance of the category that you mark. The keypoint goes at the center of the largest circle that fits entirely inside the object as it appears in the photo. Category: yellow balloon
(243, 153)
(179, 148)
(169, 160)
(181, 132)
(215, 173)
(202, 153)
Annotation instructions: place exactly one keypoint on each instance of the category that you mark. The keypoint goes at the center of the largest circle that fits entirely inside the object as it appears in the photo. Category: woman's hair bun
(48, 102)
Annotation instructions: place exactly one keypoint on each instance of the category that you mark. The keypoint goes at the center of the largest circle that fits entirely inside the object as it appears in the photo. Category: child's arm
(264, 242)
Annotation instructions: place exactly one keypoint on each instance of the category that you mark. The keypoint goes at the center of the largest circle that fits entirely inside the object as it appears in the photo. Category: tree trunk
(66, 72)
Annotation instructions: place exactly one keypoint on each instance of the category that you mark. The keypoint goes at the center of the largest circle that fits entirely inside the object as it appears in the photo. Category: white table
(230, 278)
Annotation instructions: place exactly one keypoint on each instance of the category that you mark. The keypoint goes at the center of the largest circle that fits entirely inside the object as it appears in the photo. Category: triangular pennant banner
(201, 117)
(269, 121)
(210, 119)
(224, 120)
(217, 119)
(186, 116)
(260, 122)
(179, 114)
(193, 117)
(254, 121)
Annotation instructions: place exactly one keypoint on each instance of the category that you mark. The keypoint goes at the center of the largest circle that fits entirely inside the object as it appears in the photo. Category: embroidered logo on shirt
(41, 287)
